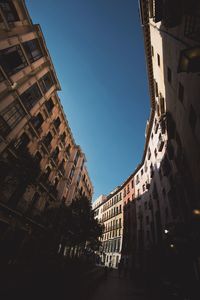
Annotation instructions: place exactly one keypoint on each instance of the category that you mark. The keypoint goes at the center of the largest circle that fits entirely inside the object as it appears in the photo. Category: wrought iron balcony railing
(192, 27)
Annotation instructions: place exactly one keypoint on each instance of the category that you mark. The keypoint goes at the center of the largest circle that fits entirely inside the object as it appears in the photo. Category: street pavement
(115, 288)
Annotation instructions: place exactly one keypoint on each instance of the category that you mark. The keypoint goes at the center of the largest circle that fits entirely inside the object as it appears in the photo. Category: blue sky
(98, 53)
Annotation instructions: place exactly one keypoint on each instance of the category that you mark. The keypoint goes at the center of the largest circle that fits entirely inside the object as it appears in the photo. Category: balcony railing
(160, 143)
(155, 10)
(151, 172)
(192, 27)
(172, 13)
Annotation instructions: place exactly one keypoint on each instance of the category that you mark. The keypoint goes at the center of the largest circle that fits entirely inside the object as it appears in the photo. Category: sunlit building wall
(109, 211)
(32, 118)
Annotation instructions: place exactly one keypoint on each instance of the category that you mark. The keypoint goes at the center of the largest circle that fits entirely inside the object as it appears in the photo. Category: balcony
(62, 169)
(155, 10)
(161, 143)
(9, 11)
(47, 143)
(147, 186)
(163, 125)
(172, 13)
(192, 27)
(156, 127)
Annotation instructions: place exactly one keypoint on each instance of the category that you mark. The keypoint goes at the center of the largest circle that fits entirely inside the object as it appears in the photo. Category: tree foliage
(73, 225)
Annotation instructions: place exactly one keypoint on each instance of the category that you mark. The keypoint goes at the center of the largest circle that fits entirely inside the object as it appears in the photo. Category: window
(158, 59)
(143, 187)
(47, 139)
(63, 137)
(55, 153)
(137, 179)
(22, 142)
(145, 166)
(31, 96)
(152, 51)
(68, 149)
(49, 105)
(38, 156)
(46, 82)
(156, 88)
(37, 121)
(33, 50)
(9, 11)
(180, 92)
(155, 152)
(12, 60)
(76, 158)
(149, 154)
(132, 183)
(72, 172)
(57, 122)
(192, 118)
(10, 117)
(169, 75)
(142, 172)
(147, 220)
(162, 104)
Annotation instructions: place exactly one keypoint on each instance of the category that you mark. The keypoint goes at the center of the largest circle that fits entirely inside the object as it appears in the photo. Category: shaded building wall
(171, 46)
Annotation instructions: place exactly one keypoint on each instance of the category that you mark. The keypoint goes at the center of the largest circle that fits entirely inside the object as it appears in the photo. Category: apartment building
(129, 222)
(34, 131)
(171, 37)
(161, 222)
(109, 210)
(97, 207)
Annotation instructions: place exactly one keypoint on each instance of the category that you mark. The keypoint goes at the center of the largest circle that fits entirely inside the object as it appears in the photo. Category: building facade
(40, 164)
(161, 224)
(110, 213)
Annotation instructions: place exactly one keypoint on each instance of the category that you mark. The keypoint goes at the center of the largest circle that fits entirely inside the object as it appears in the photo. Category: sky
(98, 54)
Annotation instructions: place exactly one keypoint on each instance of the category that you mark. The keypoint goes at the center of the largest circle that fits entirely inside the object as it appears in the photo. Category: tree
(72, 226)
(23, 169)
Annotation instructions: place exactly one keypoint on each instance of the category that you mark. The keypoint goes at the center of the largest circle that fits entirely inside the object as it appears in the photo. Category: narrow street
(117, 288)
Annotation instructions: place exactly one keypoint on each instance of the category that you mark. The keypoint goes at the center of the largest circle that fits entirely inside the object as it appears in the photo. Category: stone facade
(32, 120)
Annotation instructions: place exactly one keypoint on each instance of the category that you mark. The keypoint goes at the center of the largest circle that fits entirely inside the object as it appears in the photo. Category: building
(172, 46)
(97, 207)
(110, 212)
(40, 163)
(161, 213)
(129, 226)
